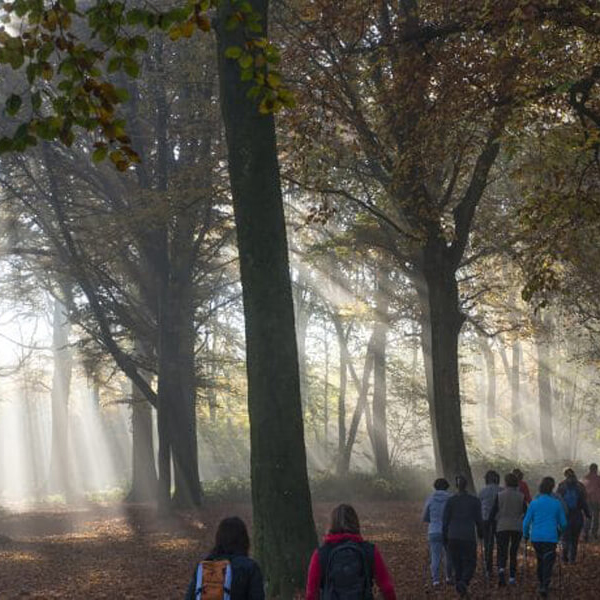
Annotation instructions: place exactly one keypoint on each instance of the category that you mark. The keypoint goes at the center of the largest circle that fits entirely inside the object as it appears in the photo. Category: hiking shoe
(501, 578)
(436, 584)
(461, 588)
(512, 581)
(544, 592)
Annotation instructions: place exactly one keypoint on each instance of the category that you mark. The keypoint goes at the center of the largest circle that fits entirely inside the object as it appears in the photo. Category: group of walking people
(501, 517)
(345, 566)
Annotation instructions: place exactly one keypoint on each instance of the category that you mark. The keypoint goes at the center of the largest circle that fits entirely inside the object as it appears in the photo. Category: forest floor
(124, 552)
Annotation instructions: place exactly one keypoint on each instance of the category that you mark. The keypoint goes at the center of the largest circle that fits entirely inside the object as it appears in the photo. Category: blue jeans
(437, 553)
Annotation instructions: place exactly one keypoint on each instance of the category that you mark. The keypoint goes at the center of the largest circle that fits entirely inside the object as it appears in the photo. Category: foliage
(68, 55)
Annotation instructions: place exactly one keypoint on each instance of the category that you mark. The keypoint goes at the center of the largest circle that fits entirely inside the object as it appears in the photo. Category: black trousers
(489, 532)
(571, 541)
(463, 556)
(506, 540)
(546, 555)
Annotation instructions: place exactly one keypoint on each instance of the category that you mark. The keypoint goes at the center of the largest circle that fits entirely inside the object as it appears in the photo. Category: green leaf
(114, 64)
(131, 67)
(69, 5)
(6, 145)
(13, 104)
(99, 154)
(137, 16)
(233, 52)
(247, 74)
(122, 94)
(36, 100)
(246, 61)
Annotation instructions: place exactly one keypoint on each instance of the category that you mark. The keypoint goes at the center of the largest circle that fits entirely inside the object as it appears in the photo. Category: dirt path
(121, 552)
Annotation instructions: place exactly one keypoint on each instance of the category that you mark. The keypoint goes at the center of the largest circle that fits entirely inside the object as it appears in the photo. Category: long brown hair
(344, 520)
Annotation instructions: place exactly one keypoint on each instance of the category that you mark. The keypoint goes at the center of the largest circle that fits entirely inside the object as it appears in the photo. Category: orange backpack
(213, 580)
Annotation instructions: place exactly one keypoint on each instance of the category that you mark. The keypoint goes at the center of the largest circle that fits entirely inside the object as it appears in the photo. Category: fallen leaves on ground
(126, 552)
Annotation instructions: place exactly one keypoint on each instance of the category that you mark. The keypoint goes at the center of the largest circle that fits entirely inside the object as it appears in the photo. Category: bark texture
(284, 531)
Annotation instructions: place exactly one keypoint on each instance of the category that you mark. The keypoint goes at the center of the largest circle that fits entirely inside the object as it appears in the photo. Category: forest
(260, 257)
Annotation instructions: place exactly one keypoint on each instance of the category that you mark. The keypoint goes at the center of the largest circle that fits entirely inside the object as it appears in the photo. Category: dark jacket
(574, 515)
(247, 581)
(462, 517)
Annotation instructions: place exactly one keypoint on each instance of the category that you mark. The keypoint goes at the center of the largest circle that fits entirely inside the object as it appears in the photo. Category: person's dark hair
(441, 484)
(569, 472)
(492, 477)
(344, 520)
(594, 468)
(232, 537)
(547, 485)
(518, 474)
(461, 483)
(510, 479)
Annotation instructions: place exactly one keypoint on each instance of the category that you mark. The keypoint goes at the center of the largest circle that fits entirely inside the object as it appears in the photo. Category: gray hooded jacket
(433, 512)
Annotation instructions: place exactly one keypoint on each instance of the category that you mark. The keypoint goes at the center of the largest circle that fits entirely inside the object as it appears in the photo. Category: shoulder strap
(198, 582)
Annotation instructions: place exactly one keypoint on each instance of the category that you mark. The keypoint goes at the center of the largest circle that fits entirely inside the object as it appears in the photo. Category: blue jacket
(545, 519)
(433, 512)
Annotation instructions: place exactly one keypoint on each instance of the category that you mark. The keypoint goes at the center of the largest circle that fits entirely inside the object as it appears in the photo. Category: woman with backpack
(544, 521)
(346, 565)
(227, 571)
(574, 499)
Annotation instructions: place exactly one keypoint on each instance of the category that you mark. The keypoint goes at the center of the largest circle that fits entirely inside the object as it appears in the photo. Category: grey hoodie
(488, 498)
(433, 511)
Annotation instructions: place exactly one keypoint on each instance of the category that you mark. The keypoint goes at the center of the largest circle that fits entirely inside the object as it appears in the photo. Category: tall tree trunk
(515, 399)
(441, 322)
(343, 350)
(284, 531)
(380, 446)
(59, 480)
(326, 397)
(541, 331)
(176, 379)
(490, 375)
(143, 468)
(301, 330)
(480, 394)
(361, 404)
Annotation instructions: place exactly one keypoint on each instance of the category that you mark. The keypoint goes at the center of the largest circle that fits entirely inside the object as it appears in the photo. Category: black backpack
(347, 569)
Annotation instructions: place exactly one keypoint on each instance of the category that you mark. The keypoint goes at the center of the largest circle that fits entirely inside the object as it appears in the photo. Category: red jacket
(382, 577)
(592, 487)
(524, 489)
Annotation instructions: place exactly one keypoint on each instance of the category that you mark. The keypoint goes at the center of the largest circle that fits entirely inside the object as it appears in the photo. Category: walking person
(433, 513)
(523, 487)
(543, 523)
(573, 495)
(346, 565)
(227, 571)
(508, 512)
(461, 523)
(591, 481)
(487, 497)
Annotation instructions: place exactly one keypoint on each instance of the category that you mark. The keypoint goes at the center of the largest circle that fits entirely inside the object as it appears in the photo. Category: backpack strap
(369, 551)
(198, 582)
(228, 581)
